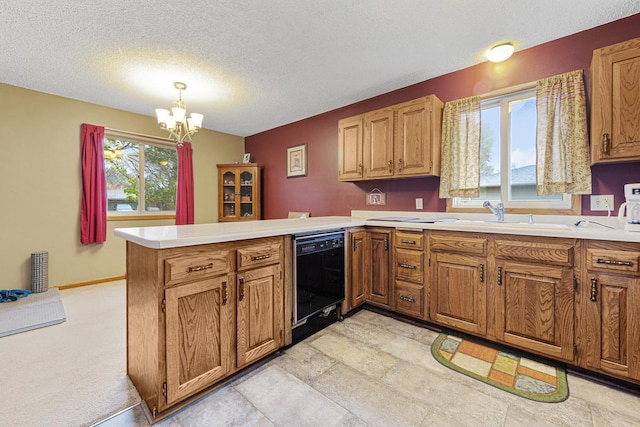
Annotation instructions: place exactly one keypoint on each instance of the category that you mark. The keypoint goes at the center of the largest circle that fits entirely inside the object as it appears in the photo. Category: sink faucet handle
(530, 218)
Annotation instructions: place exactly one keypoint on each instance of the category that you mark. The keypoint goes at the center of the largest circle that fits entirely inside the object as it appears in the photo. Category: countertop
(595, 227)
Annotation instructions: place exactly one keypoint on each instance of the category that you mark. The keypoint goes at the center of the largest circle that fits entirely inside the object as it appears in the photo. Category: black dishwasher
(318, 281)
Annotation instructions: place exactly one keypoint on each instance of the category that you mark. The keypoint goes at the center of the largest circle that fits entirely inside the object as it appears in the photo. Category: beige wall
(40, 187)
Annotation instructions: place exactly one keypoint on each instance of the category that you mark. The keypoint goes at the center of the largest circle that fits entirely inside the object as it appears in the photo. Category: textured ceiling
(254, 65)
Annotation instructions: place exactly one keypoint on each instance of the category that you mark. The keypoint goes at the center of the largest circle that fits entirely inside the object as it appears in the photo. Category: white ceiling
(254, 65)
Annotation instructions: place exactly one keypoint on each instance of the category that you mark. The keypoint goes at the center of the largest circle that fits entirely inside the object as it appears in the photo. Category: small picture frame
(376, 197)
(246, 158)
(297, 161)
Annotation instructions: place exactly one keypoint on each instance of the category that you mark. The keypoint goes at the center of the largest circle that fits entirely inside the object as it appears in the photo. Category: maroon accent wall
(322, 194)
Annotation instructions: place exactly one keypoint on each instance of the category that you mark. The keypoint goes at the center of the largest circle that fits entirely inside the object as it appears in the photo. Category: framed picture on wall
(297, 161)
(246, 158)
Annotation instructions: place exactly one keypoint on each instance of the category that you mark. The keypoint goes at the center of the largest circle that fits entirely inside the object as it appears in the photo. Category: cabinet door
(613, 344)
(350, 149)
(260, 313)
(378, 144)
(249, 195)
(378, 272)
(199, 333)
(535, 308)
(413, 145)
(357, 258)
(458, 292)
(228, 194)
(615, 107)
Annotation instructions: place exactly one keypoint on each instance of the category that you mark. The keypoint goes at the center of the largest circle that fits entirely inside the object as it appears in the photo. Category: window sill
(139, 217)
(576, 209)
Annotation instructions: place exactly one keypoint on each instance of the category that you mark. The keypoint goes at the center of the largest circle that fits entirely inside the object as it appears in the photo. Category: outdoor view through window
(508, 155)
(132, 192)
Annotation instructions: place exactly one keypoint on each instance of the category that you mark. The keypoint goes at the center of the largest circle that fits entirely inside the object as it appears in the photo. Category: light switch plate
(419, 204)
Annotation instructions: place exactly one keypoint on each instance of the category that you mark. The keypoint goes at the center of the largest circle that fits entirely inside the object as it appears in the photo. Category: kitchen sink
(517, 224)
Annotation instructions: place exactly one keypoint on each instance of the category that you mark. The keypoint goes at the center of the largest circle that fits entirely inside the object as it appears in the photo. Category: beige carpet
(73, 373)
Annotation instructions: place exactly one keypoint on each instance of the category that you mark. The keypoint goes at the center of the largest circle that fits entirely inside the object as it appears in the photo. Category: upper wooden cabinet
(398, 141)
(238, 192)
(615, 105)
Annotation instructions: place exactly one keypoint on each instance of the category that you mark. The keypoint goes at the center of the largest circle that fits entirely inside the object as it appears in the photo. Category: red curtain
(93, 213)
(184, 196)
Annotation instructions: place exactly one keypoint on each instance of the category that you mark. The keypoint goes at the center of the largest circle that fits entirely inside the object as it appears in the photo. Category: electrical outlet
(602, 203)
(419, 204)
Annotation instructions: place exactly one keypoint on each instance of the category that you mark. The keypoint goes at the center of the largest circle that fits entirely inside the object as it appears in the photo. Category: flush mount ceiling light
(180, 127)
(500, 52)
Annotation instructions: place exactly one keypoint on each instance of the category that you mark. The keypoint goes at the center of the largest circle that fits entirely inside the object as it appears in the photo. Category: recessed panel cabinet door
(378, 144)
(459, 292)
(535, 308)
(199, 334)
(350, 149)
(260, 317)
(358, 262)
(378, 260)
(413, 145)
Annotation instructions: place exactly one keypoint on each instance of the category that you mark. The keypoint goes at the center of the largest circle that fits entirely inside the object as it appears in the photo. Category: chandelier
(175, 122)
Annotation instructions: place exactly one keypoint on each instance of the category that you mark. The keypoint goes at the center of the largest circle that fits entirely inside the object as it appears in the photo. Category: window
(508, 156)
(130, 192)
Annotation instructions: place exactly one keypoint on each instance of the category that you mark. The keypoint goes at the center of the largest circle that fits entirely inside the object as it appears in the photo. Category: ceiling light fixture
(500, 52)
(180, 127)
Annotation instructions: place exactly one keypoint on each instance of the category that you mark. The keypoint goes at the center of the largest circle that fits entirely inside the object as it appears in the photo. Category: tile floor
(371, 370)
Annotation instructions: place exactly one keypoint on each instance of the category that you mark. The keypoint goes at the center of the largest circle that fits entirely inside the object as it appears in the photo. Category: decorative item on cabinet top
(399, 141)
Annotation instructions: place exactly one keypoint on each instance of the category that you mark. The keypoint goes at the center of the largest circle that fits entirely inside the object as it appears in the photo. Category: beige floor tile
(288, 401)
(304, 361)
(601, 395)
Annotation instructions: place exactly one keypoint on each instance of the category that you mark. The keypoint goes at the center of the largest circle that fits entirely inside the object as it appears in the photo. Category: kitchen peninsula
(206, 301)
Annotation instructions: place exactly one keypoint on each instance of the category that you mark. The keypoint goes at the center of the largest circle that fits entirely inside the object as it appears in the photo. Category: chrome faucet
(497, 211)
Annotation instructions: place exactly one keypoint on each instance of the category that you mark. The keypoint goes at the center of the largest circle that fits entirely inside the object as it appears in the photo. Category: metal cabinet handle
(409, 266)
(408, 242)
(386, 243)
(400, 165)
(606, 144)
(407, 299)
(360, 169)
(390, 165)
(614, 262)
(260, 257)
(499, 276)
(355, 243)
(241, 292)
(225, 294)
(481, 270)
(200, 267)
(594, 289)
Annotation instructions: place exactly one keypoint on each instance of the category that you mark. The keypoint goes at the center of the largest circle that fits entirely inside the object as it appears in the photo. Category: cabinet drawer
(410, 265)
(409, 239)
(260, 254)
(540, 252)
(458, 243)
(409, 299)
(191, 265)
(613, 260)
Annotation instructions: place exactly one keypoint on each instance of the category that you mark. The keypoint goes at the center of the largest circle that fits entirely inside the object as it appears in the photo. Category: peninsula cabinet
(533, 282)
(238, 192)
(615, 103)
(458, 281)
(402, 140)
(609, 309)
(198, 314)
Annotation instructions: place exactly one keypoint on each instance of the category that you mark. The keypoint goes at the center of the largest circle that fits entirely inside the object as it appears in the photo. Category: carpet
(31, 312)
(503, 368)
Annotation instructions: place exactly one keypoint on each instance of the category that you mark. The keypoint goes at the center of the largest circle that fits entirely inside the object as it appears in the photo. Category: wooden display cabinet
(238, 192)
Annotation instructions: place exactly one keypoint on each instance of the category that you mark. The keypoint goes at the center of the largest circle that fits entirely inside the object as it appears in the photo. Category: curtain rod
(138, 135)
(508, 90)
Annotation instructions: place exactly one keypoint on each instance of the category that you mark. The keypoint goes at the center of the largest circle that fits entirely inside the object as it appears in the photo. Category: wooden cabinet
(378, 267)
(238, 192)
(458, 281)
(402, 140)
(198, 314)
(534, 286)
(357, 260)
(615, 104)
(608, 335)
(350, 148)
(409, 273)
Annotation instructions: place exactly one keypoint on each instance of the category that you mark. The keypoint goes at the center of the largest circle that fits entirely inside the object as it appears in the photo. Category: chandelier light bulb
(175, 121)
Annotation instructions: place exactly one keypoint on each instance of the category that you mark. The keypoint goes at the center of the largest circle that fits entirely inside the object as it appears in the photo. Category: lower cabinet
(458, 288)
(357, 259)
(409, 273)
(609, 309)
(377, 276)
(197, 314)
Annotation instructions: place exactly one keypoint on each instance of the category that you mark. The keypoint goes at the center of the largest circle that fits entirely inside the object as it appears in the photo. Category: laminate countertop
(593, 228)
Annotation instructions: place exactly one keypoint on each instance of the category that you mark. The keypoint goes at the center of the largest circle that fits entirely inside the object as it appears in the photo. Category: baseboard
(90, 282)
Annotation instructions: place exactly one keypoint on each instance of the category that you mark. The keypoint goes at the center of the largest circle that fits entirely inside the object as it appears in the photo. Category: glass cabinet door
(229, 194)
(247, 181)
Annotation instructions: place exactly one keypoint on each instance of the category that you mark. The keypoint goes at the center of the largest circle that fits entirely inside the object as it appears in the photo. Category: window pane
(490, 153)
(121, 166)
(160, 178)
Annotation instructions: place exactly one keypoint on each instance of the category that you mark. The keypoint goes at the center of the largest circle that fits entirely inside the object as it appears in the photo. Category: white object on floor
(36, 310)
